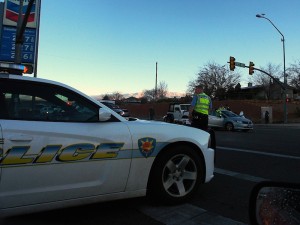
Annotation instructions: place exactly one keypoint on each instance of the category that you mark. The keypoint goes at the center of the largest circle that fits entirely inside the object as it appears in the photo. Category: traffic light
(251, 68)
(232, 63)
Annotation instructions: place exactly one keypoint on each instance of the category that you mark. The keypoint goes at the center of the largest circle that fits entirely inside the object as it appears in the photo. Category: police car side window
(44, 102)
(3, 106)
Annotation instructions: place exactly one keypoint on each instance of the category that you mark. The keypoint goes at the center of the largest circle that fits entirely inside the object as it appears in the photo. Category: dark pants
(200, 121)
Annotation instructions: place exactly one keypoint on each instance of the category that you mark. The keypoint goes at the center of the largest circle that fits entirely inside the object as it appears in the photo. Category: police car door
(61, 151)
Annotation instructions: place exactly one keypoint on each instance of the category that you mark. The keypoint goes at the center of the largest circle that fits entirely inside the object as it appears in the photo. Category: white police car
(79, 151)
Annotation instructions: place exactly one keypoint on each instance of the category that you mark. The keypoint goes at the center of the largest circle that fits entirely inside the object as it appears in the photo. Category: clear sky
(103, 46)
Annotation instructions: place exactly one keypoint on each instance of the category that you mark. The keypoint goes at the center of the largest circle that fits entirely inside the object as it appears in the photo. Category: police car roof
(42, 80)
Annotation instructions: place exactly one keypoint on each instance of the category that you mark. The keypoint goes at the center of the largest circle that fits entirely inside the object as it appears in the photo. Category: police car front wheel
(176, 175)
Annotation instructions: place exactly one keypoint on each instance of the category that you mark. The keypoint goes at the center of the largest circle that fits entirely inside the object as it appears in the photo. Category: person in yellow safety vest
(200, 107)
(219, 110)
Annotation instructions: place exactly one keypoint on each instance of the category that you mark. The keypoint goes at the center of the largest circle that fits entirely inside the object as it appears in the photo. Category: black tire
(175, 175)
(229, 127)
(169, 118)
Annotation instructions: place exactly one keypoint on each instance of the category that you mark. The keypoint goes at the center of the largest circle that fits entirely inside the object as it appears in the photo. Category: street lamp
(284, 75)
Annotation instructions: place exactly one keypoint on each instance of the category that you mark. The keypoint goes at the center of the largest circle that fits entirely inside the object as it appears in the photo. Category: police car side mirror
(104, 115)
(275, 203)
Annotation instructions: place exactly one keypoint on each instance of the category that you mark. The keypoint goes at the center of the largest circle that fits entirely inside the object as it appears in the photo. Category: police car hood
(167, 132)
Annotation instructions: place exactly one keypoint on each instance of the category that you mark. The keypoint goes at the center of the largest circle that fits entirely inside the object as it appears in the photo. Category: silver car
(229, 121)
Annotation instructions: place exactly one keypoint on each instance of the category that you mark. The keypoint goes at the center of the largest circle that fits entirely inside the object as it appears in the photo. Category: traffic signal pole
(276, 80)
(251, 67)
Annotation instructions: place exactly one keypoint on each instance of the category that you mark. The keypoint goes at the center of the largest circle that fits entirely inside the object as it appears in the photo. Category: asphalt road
(243, 159)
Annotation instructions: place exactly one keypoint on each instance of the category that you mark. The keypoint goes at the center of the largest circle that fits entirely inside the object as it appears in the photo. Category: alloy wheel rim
(179, 175)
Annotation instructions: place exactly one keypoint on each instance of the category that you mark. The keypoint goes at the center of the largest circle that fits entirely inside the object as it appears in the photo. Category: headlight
(212, 139)
(209, 142)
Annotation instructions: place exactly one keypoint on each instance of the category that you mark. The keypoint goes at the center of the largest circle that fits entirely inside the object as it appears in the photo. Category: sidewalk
(186, 214)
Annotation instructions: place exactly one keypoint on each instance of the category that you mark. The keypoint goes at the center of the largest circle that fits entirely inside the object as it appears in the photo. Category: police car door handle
(20, 137)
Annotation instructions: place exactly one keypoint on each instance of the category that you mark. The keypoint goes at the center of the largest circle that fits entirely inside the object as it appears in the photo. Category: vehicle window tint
(229, 114)
(213, 113)
(3, 106)
(36, 101)
(185, 107)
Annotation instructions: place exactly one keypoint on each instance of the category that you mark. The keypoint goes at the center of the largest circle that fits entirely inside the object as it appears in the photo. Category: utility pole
(156, 83)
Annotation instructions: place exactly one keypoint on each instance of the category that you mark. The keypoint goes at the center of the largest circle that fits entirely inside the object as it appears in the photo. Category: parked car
(116, 108)
(177, 113)
(229, 121)
(126, 113)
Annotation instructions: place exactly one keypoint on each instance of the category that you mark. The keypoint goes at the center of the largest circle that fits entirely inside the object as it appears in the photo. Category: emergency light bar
(14, 68)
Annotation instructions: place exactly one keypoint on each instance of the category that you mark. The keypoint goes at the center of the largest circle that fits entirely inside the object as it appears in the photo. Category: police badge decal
(146, 146)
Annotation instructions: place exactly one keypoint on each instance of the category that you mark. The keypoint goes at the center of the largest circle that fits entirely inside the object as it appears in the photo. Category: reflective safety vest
(219, 110)
(203, 103)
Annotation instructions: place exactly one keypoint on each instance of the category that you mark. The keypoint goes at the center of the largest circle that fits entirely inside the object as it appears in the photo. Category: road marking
(188, 214)
(240, 175)
(185, 214)
(259, 153)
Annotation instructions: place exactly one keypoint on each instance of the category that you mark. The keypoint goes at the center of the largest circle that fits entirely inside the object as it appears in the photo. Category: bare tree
(216, 80)
(149, 94)
(264, 80)
(294, 74)
(105, 97)
(117, 96)
(162, 90)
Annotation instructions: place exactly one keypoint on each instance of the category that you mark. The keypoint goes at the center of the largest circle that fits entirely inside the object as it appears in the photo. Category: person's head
(198, 89)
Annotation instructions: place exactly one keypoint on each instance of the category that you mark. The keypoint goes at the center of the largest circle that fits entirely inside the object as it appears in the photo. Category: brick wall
(251, 109)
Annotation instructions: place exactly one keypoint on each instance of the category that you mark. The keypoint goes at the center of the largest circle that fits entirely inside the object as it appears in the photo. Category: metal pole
(18, 52)
(284, 74)
(156, 83)
(285, 81)
(38, 4)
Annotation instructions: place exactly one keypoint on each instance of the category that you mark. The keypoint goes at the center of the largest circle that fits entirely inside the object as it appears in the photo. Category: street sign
(12, 49)
(240, 64)
(8, 45)
(11, 13)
